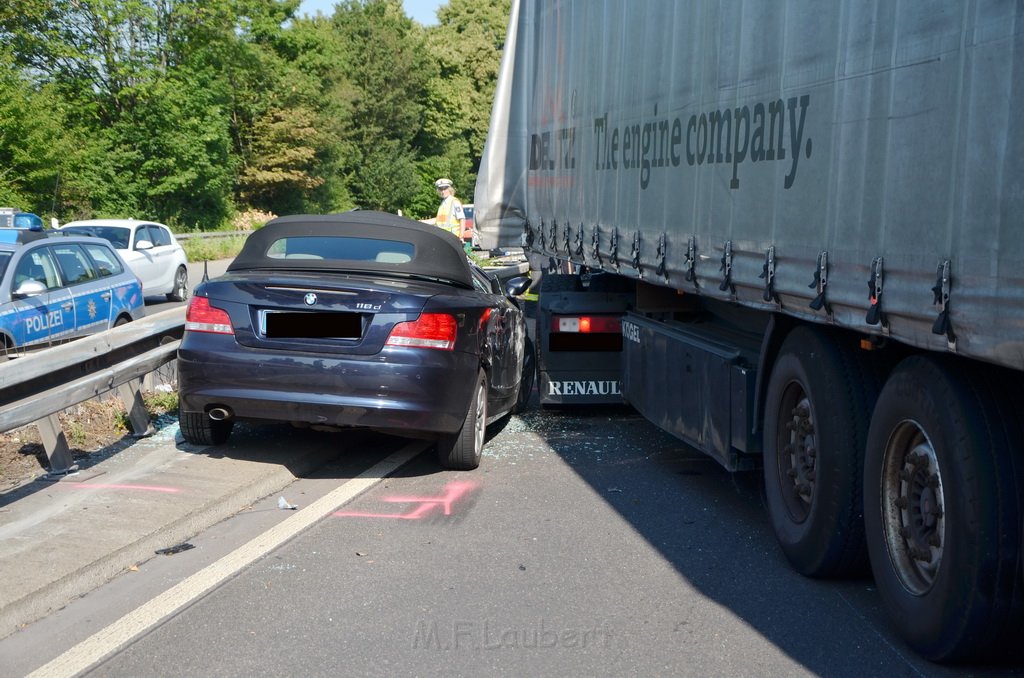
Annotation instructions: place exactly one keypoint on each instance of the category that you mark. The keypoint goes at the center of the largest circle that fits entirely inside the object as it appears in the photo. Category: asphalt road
(588, 543)
(195, 276)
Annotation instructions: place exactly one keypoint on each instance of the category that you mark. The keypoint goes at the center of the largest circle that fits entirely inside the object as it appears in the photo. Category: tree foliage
(188, 111)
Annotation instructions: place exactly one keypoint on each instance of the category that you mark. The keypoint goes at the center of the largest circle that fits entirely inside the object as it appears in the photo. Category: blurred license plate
(285, 325)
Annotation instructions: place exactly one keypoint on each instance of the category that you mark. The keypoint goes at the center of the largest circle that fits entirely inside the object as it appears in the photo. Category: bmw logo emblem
(310, 299)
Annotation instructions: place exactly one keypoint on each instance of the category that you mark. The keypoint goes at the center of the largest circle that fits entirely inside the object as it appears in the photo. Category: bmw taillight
(430, 330)
(202, 317)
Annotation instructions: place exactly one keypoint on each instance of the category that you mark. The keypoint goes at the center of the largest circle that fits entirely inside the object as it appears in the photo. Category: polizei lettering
(765, 132)
(37, 323)
(584, 388)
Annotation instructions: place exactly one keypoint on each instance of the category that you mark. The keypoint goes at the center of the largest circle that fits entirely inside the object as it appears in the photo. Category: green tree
(182, 110)
(467, 44)
(387, 66)
(281, 160)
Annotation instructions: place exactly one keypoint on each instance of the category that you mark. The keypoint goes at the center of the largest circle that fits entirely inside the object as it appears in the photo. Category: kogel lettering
(631, 332)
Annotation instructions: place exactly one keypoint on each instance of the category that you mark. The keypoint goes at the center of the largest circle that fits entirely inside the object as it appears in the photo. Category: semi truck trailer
(790, 234)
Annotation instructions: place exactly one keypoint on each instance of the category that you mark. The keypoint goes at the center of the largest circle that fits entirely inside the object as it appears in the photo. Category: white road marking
(118, 634)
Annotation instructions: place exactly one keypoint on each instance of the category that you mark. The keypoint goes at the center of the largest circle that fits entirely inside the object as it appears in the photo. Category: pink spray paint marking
(453, 492)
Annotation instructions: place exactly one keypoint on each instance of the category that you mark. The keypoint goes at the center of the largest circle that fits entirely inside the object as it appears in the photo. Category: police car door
(43, 308)
(90, 293)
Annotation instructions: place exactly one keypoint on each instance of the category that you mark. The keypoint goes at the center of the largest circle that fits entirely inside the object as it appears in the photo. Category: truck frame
(789, 233)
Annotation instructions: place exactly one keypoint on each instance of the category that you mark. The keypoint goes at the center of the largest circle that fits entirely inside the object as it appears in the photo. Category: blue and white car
(55, 289)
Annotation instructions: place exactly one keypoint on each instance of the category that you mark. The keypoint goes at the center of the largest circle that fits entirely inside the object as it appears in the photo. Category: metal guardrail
(38, 386)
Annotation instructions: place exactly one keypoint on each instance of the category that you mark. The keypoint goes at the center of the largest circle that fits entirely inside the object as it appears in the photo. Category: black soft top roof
(436, 252)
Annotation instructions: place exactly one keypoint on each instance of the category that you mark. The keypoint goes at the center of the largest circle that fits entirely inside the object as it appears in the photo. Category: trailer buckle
(662, 250)
(875, 316)
(943, 324)
(691, 260)
(635, 253)
(726, 268)
(768, 275)
(820, 284)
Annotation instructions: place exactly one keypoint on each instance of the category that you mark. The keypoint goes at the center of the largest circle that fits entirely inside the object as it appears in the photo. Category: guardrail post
(56, 445)
(131, 395)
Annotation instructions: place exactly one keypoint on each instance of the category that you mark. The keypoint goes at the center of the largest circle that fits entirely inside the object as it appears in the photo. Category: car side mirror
(29, 288)
(515, 287)
(143, 245)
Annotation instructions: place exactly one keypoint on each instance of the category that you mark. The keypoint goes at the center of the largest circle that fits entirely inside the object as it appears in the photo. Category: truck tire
(198, 429)
(462, 450)
(943, 512)
(817, 406)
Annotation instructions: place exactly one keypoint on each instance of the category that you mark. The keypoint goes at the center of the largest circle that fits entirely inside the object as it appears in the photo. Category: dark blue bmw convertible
(362, 319)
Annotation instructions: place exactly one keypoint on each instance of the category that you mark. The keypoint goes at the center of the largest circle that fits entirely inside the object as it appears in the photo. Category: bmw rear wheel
(462, 450)
(529, 376)
(198, 429)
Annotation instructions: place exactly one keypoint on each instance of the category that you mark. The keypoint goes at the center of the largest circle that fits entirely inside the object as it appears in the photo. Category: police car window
(106, 263)
(74, 264)
(5, 259)
(37, 265)
(115, 234)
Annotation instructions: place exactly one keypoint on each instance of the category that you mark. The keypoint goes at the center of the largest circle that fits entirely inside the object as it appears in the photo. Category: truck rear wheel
(943, 513)
(816, 411)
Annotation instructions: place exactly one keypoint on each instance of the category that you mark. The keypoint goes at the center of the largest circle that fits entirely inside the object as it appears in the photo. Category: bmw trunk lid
(339, 314)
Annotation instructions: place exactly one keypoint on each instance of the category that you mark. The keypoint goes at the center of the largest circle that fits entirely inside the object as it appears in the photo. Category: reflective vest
(450, 216)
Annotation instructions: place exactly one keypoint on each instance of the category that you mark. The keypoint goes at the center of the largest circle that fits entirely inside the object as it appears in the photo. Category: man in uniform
(450, 216)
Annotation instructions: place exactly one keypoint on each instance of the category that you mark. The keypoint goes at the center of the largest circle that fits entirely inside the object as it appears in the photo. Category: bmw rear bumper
(411, 390)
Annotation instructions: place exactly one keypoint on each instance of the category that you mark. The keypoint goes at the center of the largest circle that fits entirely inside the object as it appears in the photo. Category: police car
(12, 218)
(55, 289)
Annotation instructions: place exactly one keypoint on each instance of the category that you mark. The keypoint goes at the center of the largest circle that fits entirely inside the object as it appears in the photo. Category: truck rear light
(202, 317)
(430, 330)
(605, 324)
